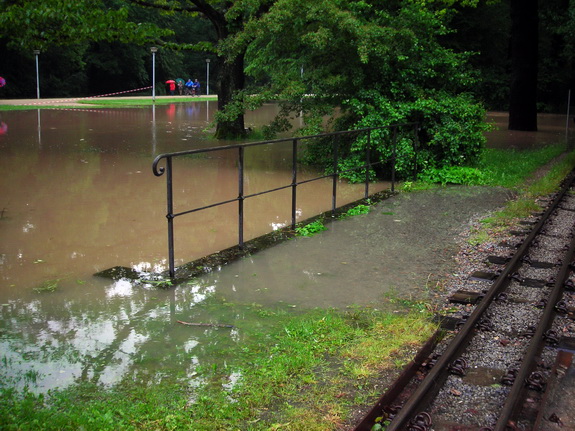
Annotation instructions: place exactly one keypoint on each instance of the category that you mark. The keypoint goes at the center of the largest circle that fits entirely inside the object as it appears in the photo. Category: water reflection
(78, 196)
(119, 333)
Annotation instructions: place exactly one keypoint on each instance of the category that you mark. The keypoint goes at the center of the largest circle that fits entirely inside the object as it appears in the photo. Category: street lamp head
(207, 60)
(154, 49)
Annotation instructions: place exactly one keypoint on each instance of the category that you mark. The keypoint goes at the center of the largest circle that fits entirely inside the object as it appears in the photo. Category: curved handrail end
(158, 171)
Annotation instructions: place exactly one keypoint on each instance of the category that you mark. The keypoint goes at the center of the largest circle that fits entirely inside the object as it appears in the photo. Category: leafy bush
(311, 228)
(450, 131)
(453, 175)
(357, 210)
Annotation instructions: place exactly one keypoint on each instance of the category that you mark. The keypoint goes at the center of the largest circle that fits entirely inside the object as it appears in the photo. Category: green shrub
(453, 175)
(310, 229)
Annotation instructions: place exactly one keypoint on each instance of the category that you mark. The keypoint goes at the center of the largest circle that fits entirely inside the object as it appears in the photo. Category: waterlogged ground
(124, 331)
(77, 201)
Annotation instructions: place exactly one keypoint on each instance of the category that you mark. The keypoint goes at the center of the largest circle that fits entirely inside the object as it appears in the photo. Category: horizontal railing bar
(294, 141)
(206, 207)
(265, 192)
(268, 191)
(159, 172)
(314, 179)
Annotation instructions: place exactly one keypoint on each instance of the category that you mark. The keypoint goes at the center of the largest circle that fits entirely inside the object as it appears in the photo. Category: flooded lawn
(78, 196)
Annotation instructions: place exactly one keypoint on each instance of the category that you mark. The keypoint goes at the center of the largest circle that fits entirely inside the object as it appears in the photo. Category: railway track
(508, 345)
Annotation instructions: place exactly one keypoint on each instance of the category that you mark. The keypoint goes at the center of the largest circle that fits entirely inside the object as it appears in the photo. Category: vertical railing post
(294, 184)
(415, 150)
(241, 198)
(393, 157)
(170, 216)
(367, 164)
(335, 175)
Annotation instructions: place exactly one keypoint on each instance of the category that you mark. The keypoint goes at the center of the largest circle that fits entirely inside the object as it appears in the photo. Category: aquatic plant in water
(310, 229)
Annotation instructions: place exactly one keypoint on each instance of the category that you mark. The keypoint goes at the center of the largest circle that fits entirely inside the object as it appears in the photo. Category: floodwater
(78, 196)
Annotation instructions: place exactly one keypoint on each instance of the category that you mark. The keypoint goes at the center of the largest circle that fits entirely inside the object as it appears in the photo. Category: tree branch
(153, 5)
(216, 17)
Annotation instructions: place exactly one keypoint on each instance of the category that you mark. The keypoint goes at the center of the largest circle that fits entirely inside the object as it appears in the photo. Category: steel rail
(511, 405)
(434, 379)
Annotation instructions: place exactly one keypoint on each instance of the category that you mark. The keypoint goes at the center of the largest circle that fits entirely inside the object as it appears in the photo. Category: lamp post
(37, 53)
(207, 76)
(154, 50)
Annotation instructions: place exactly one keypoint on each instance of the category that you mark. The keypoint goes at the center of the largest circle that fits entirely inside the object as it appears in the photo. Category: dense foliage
(377, 63)
(91, 47)
(380, 65)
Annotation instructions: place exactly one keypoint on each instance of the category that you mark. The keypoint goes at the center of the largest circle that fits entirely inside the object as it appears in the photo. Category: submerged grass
(308, 371)
(308, 374)
(119, 102)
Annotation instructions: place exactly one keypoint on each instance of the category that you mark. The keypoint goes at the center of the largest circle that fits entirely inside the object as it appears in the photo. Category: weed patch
(311, 228)
(307, 373)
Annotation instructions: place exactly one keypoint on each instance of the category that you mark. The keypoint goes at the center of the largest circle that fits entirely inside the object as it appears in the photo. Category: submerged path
(404, 243)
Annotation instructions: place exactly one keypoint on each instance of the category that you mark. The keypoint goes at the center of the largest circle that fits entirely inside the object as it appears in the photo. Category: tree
(227, 19)
(379, 64)
(524, 49)
(39, 24)
(66, 33)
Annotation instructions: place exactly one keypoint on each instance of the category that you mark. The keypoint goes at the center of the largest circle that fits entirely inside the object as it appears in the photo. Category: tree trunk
(524, 44)
(231, 80)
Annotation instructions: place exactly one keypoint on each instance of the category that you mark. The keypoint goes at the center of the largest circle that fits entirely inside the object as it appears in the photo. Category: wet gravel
(493, 352)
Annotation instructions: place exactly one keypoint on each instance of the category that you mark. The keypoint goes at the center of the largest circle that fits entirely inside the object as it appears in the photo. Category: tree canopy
(379, 64)
(376, 62)
(39, 24)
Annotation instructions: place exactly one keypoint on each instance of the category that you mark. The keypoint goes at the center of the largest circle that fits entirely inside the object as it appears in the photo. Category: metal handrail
(295, 141)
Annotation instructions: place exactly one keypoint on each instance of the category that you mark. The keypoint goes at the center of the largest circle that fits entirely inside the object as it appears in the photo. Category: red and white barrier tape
(87, 98)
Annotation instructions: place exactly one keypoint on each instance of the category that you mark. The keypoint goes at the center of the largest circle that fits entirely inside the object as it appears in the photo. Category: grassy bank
(109, 102)
(546, 169)
(121, 102)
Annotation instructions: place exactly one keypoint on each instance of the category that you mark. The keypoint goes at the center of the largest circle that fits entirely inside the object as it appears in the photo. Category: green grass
(526, 202)
(496, 168)
(510, 168)
(356, 210)
(120, 102)
(310, 229)
(309, 373)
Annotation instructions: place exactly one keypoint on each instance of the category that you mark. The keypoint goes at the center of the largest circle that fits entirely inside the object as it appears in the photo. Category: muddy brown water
(78, 196)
